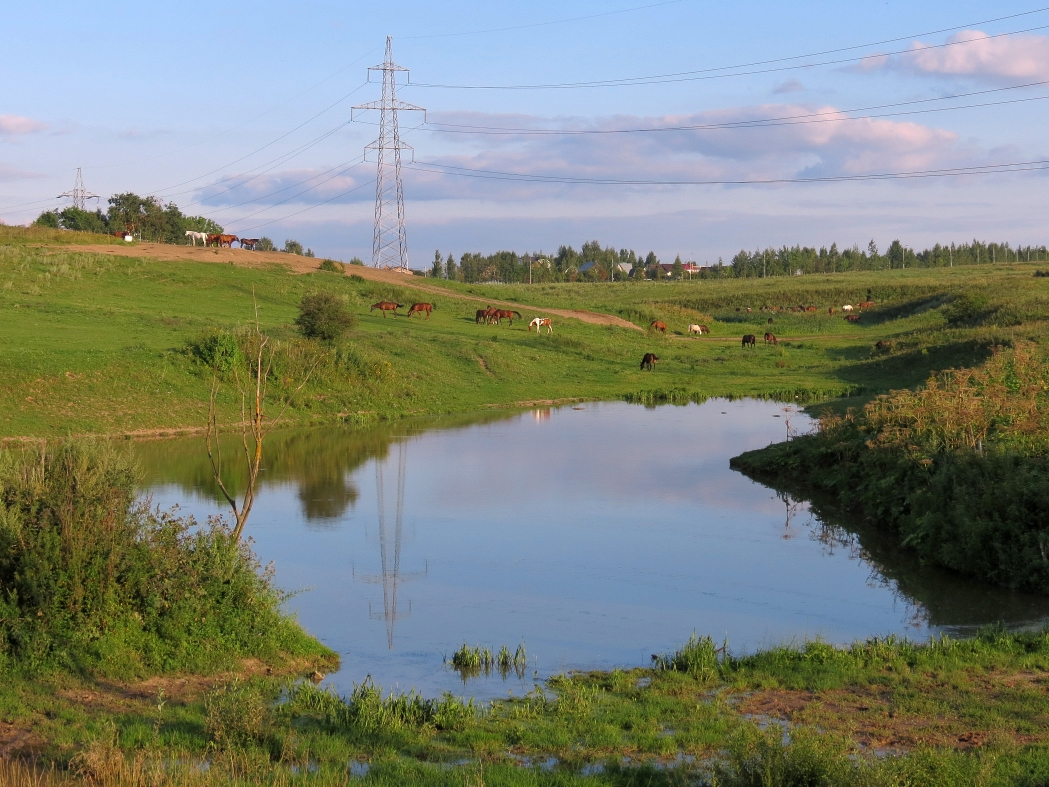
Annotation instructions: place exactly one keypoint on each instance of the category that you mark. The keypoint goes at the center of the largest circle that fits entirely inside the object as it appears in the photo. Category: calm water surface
(598, 535)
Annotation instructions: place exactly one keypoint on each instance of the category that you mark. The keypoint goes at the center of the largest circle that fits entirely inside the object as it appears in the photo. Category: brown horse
(770, 338)
(213, 238)
(421, 307)
(386, 306)
(504, 314)
(482, 316)
(852, 317)
(751, 340)
(648, 361)
(867, 304)
(658, 325)
(248, 243)
(225, 240)
(770, 321)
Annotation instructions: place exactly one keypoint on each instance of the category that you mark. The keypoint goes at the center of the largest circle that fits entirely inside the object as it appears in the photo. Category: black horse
(648, 361)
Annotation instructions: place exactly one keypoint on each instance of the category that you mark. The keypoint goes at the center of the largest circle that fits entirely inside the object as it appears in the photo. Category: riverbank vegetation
(881, 712)
(956, 468)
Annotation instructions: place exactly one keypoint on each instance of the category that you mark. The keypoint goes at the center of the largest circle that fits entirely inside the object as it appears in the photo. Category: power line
(306, 210)
(293, 185)
(299, 194)
(712, 73)
(986, 169)
(800, 119)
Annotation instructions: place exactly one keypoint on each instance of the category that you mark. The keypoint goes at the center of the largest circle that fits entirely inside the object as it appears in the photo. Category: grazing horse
(831, 311)
(751, 340)
(482, 316)
(195, 236)
(420, 308)
(648, 361)
(770, 321)
(847, 307)
(386, 306)
(770, 338)
(866, 304)
(505, 314)
(700, 329)
(248, 243)
(538, 324)
(658, 325)
(123, 235)
(852, 317)
(810, 308)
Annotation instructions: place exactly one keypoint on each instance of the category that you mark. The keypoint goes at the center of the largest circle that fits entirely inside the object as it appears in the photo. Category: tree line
(595, 263)
(147, 219)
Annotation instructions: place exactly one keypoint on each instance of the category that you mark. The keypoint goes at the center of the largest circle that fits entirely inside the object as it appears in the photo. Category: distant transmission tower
(80, 195)
(389, 242)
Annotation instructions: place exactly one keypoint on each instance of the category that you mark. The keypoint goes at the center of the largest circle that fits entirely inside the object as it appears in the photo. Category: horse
(505, 314)
(421, 307)
(386, 306)
(124, 236)
(248, 243)
(751, 340)
(852, 317)
(770, 321)
(227, 240)
(700, 329)
(810, 308)
(539, 322)
(195, 236)
(867, 304)
(831, 310)
(658, 325)
(648, 361)
(847, 307)
(770, 338)
(213, 237)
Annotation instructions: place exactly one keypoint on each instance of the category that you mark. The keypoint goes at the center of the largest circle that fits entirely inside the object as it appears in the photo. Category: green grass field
(99, 344)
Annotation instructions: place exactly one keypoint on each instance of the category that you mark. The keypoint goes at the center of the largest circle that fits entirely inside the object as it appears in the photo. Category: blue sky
(192, 102)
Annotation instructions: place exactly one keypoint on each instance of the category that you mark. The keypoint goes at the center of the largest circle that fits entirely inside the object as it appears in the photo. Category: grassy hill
(100, 343)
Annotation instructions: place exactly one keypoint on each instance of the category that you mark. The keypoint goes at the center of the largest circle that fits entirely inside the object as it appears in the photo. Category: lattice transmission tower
(389, 242)
(80, 195)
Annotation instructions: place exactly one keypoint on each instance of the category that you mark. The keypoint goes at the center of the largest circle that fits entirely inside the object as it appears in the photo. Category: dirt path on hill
(259, 259)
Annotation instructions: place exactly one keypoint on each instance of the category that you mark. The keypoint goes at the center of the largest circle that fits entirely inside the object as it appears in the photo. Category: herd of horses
(220, 240)
(493, 316)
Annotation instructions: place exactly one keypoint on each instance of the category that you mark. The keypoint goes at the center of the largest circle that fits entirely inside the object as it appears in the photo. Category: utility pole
(389, 241)
(80, 195)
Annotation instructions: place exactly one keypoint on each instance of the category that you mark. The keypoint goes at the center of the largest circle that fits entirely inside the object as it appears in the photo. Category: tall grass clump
(93, 580)
(959, 468)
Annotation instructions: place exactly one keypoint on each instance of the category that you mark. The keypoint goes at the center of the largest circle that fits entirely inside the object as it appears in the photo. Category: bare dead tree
(253, 422)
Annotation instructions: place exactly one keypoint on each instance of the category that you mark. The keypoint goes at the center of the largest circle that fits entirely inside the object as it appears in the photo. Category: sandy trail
(258, 259)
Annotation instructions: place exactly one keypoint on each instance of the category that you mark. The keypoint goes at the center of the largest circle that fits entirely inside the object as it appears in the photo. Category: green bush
(92, 580)
(324, 316)
(217, 349)
(967, 309)
(332, 266)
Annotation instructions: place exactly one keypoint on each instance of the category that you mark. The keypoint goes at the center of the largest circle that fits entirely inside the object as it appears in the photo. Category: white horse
(195, 236)
(847, 307)
(700, 329)
(539, 322)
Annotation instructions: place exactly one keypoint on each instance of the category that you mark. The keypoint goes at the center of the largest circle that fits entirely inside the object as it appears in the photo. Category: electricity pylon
(389, 242)
(80, 195)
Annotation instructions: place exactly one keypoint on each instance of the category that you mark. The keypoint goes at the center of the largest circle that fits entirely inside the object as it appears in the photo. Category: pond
(597, 535)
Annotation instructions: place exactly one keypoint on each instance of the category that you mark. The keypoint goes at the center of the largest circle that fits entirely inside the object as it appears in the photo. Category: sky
(708, 127)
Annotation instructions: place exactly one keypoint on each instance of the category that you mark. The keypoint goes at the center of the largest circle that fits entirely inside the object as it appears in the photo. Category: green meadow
(100, 344)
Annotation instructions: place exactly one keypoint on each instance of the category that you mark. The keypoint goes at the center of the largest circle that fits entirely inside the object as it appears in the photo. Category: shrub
(292, 247)
(356, 261)
(332, 266)
(265, 244)
(966, 309)
(324, 316)
(217, 349)
(92, 580)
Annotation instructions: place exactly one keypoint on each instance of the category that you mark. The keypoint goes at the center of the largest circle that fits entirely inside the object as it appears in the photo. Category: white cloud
(973, 53)
(15, 125)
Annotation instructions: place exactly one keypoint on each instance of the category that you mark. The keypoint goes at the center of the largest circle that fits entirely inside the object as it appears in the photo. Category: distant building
(586, 266)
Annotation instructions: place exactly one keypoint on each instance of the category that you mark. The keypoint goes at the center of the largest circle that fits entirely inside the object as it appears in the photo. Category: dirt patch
(18, 741)
(869, 717)
(258, 259)
(484, 366)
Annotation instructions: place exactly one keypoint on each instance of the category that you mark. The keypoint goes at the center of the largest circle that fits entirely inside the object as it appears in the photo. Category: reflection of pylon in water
(391, 576)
